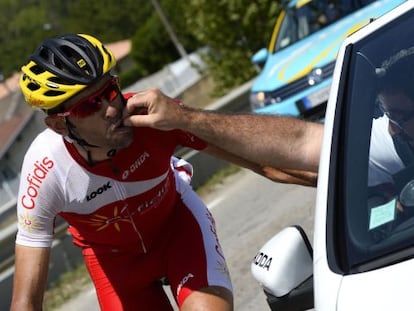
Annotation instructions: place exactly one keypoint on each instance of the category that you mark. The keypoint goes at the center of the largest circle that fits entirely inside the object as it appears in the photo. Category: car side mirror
(284, 268)
(260, 56)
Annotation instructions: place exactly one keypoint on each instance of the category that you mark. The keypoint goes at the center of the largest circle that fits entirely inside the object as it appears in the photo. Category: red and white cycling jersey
(121, 203)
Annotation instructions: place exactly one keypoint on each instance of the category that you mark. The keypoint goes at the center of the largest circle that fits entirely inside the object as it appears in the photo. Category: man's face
(400, 110)
(103, 127)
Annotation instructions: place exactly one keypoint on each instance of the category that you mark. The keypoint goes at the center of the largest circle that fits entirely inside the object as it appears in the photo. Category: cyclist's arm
(266, 140)
(30, 276)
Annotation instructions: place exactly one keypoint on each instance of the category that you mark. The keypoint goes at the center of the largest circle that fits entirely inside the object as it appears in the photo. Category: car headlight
(257, 100)
(262, 99)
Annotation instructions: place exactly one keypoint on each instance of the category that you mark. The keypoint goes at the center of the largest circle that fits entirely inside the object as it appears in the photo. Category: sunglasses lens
(87, 108)
(93, 104)
(111, 93)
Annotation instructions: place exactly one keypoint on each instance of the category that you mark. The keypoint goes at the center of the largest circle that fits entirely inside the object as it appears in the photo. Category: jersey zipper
(121, 195)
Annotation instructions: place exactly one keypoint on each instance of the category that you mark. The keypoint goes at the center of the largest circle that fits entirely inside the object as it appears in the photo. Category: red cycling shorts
(188, 254)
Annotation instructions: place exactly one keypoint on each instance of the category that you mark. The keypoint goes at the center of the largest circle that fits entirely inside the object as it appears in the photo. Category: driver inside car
(391, 161)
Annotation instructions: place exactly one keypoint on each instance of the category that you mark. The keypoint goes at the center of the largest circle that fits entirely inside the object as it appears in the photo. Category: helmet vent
(111, 59)
(37, 69)
(53, 93)
(58, 81)
(33, 86)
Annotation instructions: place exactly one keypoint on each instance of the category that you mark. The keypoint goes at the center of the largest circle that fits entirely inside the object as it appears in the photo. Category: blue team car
(299, 62)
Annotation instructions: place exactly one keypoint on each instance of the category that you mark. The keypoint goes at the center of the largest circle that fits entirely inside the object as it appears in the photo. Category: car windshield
(375, 213)
(302, 20)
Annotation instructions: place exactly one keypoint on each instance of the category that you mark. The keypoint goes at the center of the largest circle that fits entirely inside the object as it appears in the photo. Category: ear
(57, 124)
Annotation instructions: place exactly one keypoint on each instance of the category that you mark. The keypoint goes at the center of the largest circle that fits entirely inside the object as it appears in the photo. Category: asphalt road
(248, 210)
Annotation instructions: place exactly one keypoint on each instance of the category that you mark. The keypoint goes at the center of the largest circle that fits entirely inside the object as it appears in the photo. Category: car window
(373, 217)
(303, 20)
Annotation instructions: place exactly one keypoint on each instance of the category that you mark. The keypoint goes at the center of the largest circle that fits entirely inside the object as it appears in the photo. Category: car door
(364, 221)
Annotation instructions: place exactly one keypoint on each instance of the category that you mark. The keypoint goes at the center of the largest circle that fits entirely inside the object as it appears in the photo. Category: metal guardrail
(65, 256)
(174, 78)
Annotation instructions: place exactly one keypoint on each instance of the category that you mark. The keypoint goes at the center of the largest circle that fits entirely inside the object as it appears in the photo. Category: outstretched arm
(265, 140)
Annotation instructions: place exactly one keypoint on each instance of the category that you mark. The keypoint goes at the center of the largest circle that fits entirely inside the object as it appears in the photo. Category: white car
(363, 247)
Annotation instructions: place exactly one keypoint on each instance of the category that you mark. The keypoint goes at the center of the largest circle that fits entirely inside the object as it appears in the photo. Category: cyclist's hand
(290, 176)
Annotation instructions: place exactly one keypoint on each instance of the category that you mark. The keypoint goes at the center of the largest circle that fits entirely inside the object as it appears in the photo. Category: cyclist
(134, 218)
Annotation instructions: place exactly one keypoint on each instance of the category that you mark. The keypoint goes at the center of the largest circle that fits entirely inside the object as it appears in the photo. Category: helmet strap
(85, 145)
(80, 141)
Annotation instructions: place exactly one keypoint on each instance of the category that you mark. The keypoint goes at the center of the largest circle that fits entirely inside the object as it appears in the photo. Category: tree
(234, 30)
(25, 23)
(21, 31)
(109, 20)
(152, 47)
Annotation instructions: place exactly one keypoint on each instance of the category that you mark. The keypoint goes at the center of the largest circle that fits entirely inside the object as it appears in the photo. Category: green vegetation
(68, 286)
(216, 179)
(232, 29)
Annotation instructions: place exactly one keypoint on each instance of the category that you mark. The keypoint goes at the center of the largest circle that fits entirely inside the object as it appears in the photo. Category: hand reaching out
(152, 108)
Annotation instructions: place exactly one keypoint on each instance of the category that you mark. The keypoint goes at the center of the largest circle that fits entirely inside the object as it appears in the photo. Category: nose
(114, 109)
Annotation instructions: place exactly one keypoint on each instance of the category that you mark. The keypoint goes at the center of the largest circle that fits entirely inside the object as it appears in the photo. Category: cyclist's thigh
(126, 282)
(146, 299)
(195, 258)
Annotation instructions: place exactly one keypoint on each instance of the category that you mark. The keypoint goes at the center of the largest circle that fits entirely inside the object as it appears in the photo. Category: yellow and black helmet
(63, 66)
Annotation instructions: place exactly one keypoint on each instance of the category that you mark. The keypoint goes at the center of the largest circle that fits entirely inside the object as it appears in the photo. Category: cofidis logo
(34, 181)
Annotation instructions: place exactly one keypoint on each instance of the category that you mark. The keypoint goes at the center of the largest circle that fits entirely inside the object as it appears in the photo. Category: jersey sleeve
(189, 140)
(182, 169)
(37, 203)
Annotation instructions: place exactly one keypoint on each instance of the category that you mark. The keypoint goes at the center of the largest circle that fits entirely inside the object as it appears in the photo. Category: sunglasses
(398, 117)
(93, 103)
